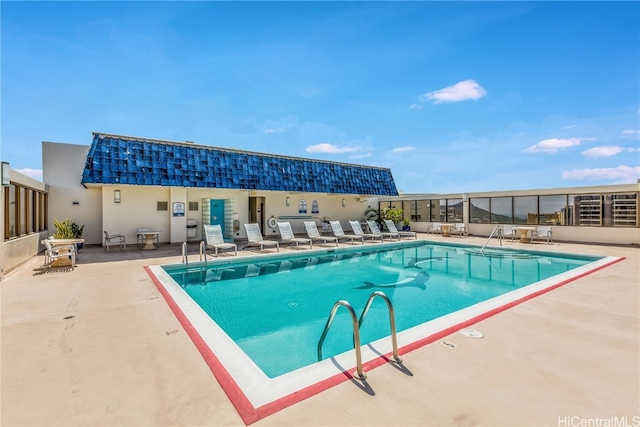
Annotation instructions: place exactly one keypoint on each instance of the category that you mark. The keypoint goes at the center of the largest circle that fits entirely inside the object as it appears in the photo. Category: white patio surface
(99, 346)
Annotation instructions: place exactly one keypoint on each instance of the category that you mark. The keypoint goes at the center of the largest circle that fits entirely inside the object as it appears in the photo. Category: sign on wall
(178, 209)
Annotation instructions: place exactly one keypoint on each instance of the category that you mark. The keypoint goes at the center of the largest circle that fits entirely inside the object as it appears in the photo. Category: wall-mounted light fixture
(344, 203)
(116, 196)
(288, 201)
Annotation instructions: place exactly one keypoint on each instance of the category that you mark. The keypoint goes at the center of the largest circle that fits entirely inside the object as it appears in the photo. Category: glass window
(455, 210)
(587, 209)
(525, 210)
(440, 208)
(553, 210)
(501, 210)
(479, 210)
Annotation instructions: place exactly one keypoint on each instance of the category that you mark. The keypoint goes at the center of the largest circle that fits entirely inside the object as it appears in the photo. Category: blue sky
(452, 96)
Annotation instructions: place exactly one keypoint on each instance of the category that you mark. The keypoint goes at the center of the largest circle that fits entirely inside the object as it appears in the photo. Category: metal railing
(392, 320)
(356, 335)
(357, 323)
(500, 237)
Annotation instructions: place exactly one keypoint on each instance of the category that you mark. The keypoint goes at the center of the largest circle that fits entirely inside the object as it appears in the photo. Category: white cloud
(31, 173)
(631, 133)
(603, 151)
(276, 130)
(415, 107)
(403, 149)
(622, 174)
(462, 91)
(330, 148)
(552, 145)
(569, 127)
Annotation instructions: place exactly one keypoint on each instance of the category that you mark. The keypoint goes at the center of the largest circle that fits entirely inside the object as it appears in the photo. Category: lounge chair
(142, 238)
(51, 253)
(214, 239)
(373, 228)
(314, 234)
(459, 229)
(542, 231)
(435, 228)
(507, 231)
(255, 238)
(393, 229)
(339, 232)
(117, 239)
(286, 233)
(357, 230)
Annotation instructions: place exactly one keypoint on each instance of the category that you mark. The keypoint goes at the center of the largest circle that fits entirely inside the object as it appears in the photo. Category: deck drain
(68, 317)
(471, 333)
(449, 344)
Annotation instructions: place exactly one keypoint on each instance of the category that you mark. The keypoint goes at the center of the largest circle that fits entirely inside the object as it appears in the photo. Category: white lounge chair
(373, 228)
(435, 228)
(393, 229)
(254, 235)
(214, 239)
(542, 231)
(508, 231)
(339, 232)
(357, 230)
(111, 239)
(51, 253)
(459, 229)
(314, 234)
(287, 236)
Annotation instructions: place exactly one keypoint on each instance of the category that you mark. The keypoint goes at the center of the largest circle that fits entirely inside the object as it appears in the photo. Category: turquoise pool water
(275, 307)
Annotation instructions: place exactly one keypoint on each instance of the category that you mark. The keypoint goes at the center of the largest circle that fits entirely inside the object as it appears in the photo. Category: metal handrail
(392, 320)
(185, 256)
(497, 227)
(356, 335)
(203, 253)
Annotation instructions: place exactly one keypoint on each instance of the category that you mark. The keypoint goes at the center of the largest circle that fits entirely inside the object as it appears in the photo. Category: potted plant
(406, 226)
(68, 229)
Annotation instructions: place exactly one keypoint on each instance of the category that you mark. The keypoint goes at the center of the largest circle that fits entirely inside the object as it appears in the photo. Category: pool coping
(256, 396)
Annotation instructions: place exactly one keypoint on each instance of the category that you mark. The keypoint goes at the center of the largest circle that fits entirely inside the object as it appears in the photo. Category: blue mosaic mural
(114, 159)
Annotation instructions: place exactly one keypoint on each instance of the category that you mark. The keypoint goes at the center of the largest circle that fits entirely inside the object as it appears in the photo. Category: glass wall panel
(441, 209)
(525, 210)
(455, 210)
(553, 210)
(479, 210)
(420, 210)
(501, 210)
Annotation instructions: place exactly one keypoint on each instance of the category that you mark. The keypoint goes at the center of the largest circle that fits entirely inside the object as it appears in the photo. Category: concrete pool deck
(99, 346)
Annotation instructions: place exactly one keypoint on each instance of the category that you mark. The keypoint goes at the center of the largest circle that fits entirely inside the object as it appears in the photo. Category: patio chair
(339, 232)
(357, 230)
(542, 231)
(373, 228)
(435, 228)
(255, 238)
(286, 233)
(52, 253)
(214, 239)
(314, 234)
(507, 231)
(393, 229)
(141, 237)
(459, 229)
(117, 239)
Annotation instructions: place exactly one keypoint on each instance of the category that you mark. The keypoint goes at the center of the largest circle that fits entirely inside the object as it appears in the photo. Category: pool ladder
(500, 237)
(357, 324)
(202, 250)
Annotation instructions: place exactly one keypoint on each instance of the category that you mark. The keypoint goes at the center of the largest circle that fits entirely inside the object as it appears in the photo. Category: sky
(451, 96)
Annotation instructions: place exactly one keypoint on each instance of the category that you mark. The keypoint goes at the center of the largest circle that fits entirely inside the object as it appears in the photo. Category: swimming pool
(260, 318)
